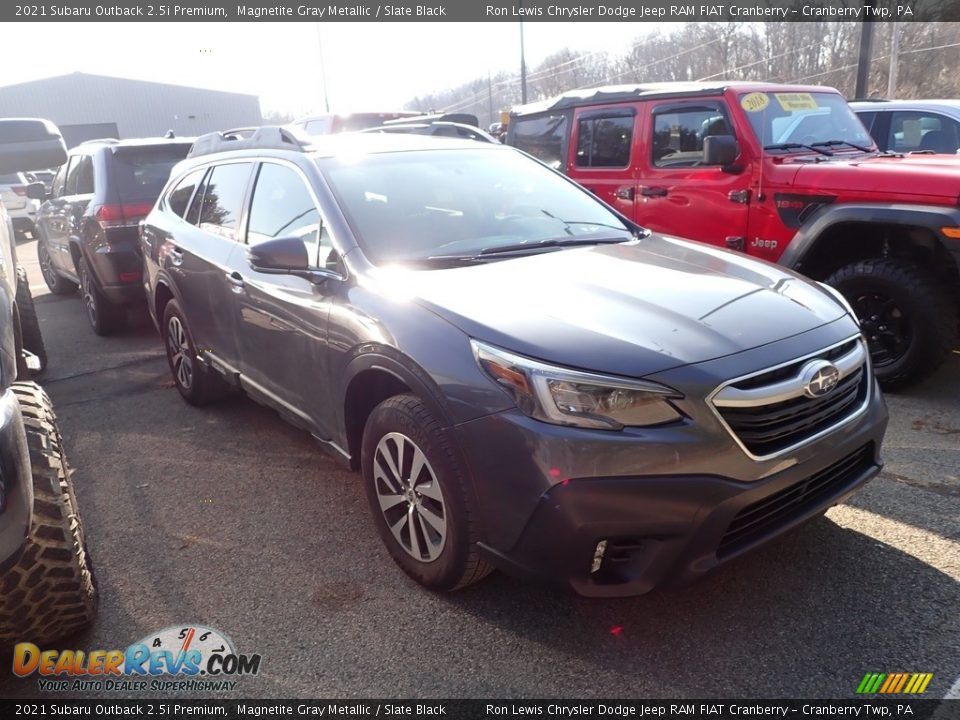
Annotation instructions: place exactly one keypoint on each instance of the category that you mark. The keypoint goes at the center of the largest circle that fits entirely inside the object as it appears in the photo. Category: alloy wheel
(410, 497)
(46, 266)
(86, 287)
(179, 349)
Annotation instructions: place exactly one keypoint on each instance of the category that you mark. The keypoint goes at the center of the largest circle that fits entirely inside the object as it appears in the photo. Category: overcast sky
(368, 65)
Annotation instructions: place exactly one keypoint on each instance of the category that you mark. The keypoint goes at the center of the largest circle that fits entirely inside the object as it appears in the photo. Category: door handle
(176, 256)
(653, 191)
(236, 280)
(627, 192)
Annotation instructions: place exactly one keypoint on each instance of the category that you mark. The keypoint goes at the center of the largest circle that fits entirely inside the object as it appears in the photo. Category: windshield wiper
(563, 242)
(797, 146)
(832, 143)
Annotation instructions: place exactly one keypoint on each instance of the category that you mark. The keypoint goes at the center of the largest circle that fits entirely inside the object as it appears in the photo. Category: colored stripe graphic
(894, 683)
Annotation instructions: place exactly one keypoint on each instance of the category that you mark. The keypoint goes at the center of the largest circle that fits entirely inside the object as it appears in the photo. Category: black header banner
(865, 708)
(486, 10)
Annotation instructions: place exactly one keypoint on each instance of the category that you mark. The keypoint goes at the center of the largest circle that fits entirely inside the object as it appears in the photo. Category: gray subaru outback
(525, 378)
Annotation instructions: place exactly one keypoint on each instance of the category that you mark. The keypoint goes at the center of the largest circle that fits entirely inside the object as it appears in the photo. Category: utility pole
(490, 96)
(323, 69)
(894, 53)
(866, 54)
(523, 66)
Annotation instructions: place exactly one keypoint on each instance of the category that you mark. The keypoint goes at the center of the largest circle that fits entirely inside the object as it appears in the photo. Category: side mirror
(30, 144)
(281, 255)
(720, 150)
(37, 191)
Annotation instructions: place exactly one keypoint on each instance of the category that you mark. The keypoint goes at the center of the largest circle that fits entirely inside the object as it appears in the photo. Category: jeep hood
(629, 309)
(924, 178)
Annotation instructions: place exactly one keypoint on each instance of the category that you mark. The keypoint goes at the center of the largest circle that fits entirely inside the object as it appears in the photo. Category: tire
(442, 553)
(197, 385)
(58, 284)
(907, 316)
(30, 333)
(105, 318)
(51, 592)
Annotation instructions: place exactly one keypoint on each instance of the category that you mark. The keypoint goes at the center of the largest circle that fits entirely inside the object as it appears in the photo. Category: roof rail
(105, 141)
(268, 137)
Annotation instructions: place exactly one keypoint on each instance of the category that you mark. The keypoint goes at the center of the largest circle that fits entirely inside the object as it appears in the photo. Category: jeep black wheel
(196, 384)
(30, 334)
(417, 496)
(51, 591)
(907, 317)
(105, 317)
(58, 284)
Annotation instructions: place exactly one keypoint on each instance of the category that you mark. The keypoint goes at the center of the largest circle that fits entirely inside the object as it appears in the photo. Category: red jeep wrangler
(782, 172)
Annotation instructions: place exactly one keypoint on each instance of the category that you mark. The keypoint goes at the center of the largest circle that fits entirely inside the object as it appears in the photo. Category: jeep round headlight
(571, 397)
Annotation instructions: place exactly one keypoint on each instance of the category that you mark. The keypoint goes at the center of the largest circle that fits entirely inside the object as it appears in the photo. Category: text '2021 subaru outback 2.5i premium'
(524, 378)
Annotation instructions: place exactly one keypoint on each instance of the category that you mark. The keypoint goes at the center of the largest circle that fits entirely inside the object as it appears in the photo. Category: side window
(543, 137)
(283, 207)
(867, 119)
(57, 185)
(222, 202)
(179, 197)
(604, 140)
(318, 127)
(79, 176)
(678, 135)
(913, 131)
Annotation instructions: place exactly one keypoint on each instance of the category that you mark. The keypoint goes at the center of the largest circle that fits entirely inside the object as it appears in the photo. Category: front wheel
(417, 495)
(907, 317)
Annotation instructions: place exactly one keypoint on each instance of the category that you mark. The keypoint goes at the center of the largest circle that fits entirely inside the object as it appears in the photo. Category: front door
(677, 193)
(59, 217)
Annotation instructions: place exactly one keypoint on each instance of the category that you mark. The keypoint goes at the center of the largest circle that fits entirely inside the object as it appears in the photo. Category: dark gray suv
(525, 378)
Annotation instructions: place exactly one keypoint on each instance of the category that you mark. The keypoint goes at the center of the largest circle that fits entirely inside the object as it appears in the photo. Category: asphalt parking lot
(228, 517)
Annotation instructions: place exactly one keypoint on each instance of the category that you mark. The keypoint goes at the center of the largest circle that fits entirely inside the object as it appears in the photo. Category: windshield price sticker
(796, 101)
(755, 102)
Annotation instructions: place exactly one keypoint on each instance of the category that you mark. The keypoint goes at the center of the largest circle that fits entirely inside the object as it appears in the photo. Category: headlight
(570, 397)
(838, 296)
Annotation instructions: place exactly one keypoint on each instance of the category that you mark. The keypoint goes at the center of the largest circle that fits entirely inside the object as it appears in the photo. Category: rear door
(59, 217)
(603, 153)
(198, 258)
(677, 193)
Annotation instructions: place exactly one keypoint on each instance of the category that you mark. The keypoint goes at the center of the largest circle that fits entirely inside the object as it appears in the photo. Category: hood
(925, 178)
(630, 309)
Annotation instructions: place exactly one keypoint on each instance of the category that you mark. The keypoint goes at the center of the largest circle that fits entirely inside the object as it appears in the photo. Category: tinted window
(179, 199)
(604, 141)
(678, 136)
(867, 119)
(139, 173)
(411, 206)
(282, 207)
(543, 137)
(912, 131)
(222, 201)
(80, 176)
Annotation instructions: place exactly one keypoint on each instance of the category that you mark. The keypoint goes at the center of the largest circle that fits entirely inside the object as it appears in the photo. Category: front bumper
(670, 510)
(16, 507)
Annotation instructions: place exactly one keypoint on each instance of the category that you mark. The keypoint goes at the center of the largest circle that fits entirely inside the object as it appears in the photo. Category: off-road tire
(58, 284)
(30, 334)
(205, 385)
(104, 317)
(459, 563)
(51, 591)
(931, 312)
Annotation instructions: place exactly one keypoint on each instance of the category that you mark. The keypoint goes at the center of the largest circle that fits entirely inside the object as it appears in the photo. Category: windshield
(800, 118)
(412, 206)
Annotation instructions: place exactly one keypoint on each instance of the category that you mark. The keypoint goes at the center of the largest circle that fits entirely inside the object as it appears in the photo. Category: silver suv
(525, 378)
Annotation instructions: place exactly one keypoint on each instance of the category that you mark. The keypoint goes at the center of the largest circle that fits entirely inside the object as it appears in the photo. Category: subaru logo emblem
(819, 378)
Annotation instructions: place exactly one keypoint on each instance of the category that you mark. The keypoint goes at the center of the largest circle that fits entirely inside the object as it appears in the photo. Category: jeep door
(677, 192)
(59, 217)
(603, 153)
(197, 256)
(282, 319)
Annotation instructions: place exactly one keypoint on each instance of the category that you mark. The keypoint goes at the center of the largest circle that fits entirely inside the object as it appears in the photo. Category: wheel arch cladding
(161, 296)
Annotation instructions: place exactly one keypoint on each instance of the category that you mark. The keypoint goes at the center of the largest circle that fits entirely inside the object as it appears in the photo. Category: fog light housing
(598, 556)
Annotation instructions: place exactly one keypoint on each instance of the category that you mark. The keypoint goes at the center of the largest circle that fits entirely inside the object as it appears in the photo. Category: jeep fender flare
(930, 217)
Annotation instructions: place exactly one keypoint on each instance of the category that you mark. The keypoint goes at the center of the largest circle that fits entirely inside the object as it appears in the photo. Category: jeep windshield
(789, 122)
(444, 205)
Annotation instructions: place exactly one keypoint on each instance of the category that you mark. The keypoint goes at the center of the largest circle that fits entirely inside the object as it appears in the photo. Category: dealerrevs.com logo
(180, 658)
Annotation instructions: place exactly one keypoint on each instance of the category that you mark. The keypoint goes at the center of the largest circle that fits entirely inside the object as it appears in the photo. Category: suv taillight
(121, 215)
